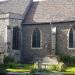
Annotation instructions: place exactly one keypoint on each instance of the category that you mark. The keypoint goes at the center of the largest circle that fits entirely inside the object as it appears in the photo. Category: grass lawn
(70, 69)
(28, 67)
(19, 67)
(18, 70)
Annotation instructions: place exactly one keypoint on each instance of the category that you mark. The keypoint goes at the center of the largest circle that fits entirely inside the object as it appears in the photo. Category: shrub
(2, 71)
(28, 66)
(19, 66)
(58, 67)
(40, 70)
(55, 68)
(65, 59)
(49, 68)
(2, 66)
(11, 65)
(8, 59)
(34, 70)
(69, 60)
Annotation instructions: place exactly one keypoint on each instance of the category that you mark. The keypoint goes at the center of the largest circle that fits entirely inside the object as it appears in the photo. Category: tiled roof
(15, 6)
(51, 10)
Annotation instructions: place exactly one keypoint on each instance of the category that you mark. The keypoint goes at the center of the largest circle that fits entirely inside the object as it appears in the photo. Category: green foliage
(55, 68)
(40, 70)
(11, 65)
(70, 69)
(8, 59)
(2, 71)
(58, 67)
(49, 68)
(65, 59)
(9, 62)
(69, 60)
(28, 66)
(2, 66)
(72, 60)
(19, 66)
(34, 71)
(17, 70)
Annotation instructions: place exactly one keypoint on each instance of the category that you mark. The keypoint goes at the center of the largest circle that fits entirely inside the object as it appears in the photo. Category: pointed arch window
(72, 38)
(15, 41)
(36, 38)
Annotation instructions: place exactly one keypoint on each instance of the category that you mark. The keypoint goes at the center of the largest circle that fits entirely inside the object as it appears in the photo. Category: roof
(15, 6)
(51, 10)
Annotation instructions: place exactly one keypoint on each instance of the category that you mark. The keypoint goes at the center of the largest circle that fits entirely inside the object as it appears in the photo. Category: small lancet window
(71, 38)
(15, 43)
(36, 38)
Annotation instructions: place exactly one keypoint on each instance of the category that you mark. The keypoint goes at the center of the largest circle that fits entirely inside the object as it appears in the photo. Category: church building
(34, 29)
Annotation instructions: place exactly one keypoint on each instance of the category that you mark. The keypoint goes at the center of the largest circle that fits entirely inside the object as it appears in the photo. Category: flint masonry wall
(14, 20)
(62, 39)
(3, 35)
(7, 22)
(62, 30)
(27, 52)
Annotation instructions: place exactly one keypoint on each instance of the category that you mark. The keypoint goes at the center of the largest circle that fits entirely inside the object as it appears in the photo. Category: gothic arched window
(36, 38)
(15, 43)
(71, 38)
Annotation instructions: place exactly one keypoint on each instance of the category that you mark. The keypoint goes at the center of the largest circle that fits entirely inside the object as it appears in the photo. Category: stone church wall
(7, 22)
(62, 31)
(30, 54)
(14, 20)
(3, 35)
(62, 39)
